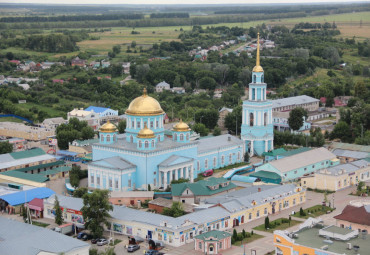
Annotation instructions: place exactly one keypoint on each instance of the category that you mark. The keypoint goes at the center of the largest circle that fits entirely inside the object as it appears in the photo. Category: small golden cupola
(108, 128)
(181, 127)
(258, 68)
(146, 133)
(144, 106)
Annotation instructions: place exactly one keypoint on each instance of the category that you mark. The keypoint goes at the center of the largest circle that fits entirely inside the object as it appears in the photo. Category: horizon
(179, 2)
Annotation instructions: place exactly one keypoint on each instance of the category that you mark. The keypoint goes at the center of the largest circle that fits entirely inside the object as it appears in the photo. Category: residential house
(355, 216)
(160, 87)
(178, 90)
(160, 203)
(53, 123)
(222, 115)
(285, 104)
(92, 118)
(78, 62)
(130, 198)
(126, 67)
(346, 156)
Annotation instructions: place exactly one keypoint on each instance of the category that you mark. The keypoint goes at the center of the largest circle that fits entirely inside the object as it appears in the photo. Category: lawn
(10, 119)
(40, 224)
(250, 239)
(278, 225)
(313, 211)
(52, 112)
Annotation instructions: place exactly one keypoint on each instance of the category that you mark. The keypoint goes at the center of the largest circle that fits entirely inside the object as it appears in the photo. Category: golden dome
(144, 106)
(181, 127)
(258, 68)
(108, 128)
(146, 133)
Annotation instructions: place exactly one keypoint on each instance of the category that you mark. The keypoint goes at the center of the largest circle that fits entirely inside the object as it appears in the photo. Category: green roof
(214, 235)
(274, 153)
(265, 174)
(367, 159)
(56, 163)
(29, 177)
(201, 188)
(294, 152)
(55, 170)
(28, 153)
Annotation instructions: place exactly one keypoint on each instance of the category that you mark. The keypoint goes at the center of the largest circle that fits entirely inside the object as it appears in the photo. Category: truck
(64, 229)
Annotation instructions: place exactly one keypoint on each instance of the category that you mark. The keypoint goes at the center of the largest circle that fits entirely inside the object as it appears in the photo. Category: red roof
(355, 214)
(36, 204)
(323, 100)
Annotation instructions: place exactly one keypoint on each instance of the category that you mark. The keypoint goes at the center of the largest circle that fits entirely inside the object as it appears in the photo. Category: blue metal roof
(96, 109)
(26, 196)
(241, 178)
(66, 153)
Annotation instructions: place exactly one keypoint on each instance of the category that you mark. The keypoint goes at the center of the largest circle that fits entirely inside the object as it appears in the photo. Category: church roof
(216, 142)
(175, 160)
(144, 106)
(114, 162)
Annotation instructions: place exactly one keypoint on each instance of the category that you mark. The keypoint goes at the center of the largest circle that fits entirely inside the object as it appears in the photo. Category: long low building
(223, 213)
(338, 177)
(298, 165)
(18, 238)
(20, 130)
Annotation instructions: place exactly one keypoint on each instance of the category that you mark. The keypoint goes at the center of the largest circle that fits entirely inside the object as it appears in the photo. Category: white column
(176, 174)
(164, 180)
(181, 173)
(191, 174)
(186, 173)
(141, 123)
(254, 118)
(252, 152)
(266, 143)
(170, 177)
(160, 179)
(272, 144)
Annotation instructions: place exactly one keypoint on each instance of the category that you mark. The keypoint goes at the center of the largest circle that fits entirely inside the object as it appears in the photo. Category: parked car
(154, 252)
(86, 237)
(102, 241)
(133, 247)
(80, 235)
(208, 173)
(95, 240)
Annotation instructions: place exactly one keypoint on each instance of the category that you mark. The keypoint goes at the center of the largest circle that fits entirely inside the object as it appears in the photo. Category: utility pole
(236, 125)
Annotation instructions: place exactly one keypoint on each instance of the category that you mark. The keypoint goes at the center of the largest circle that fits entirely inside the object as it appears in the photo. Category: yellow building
(313, 238)
(11, 129)
(338, 177)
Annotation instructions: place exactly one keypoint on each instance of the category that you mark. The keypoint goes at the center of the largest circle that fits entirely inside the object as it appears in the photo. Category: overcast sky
(170, 1)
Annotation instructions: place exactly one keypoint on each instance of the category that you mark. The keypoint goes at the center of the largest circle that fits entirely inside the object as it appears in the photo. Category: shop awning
(36, 204)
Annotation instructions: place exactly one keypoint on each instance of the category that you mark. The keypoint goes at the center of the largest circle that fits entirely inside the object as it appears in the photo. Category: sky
(172, 1)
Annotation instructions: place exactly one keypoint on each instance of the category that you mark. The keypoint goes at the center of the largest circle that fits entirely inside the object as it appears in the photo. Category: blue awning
(67, 153)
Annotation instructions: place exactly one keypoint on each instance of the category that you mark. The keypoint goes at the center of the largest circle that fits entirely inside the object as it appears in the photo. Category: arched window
(262, 78)
(222, 160)
(181, 137)
(140, 144)
(152, 143)
(251, 119)
(102, 138)
(254, 78)
(146, 144)
(151, 124)
(238, 155)
(265, 118)
(230, 158)
(108, 138)
(132, 124)
(198, 165)
(175, 137)
(206, 164)
(114, 138)
(138, 124)
(131, 139)
(187, 136)
(214, 161)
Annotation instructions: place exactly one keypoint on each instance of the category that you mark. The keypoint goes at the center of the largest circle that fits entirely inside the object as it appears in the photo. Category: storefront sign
(71, 211)
(216, 221)
(186, 231)
(164, 231)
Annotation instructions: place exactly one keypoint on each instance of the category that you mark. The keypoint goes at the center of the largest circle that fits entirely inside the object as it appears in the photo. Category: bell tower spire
(258, 68)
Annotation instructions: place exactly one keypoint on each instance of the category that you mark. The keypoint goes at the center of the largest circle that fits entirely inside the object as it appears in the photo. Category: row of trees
(74, 130)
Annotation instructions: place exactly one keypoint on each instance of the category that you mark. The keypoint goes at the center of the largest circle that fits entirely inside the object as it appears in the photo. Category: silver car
(133, 247)
(102, 241)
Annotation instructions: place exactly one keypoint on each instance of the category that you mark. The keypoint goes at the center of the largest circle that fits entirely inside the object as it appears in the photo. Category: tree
(342, 131)
(301, 212)
(95, 211)
(133, 44)
(217, 131)
(295, 119)
(360, 186)
(122, 126)
(267, 223)
(246, 157)
(235, 235)
(87, 133)
(208, 117)
(23, 213)
(176, 210)
(233, 120)
(200, 129)
(80, 192)
(116, 49)
(5, 147)
(58, 212)
(207, 83)
(329, 102)
(75, 175)
(244, 234)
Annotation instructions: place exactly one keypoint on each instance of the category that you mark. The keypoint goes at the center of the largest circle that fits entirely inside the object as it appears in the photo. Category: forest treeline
(169, 15)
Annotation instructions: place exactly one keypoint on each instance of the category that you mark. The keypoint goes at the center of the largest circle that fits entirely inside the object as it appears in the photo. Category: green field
(10, 119)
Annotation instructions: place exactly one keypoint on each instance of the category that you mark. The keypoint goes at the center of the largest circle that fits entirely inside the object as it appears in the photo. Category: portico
(174, 168)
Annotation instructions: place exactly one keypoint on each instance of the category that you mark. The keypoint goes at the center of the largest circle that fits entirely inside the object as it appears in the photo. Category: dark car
(154, 252)
(133, 247)
(95, 240)
(80, 235)
(86, 237)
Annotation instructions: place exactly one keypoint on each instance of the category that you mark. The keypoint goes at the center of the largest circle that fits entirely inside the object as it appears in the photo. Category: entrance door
(211, 249)
(149, 234)
(273, 207)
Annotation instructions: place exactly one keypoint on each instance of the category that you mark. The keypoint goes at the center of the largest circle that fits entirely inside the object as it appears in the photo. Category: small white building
(178, 90)
(53, 123)
(91, 117)
(162, 86)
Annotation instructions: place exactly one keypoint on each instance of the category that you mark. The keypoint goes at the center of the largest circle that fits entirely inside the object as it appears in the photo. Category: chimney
(259, 189)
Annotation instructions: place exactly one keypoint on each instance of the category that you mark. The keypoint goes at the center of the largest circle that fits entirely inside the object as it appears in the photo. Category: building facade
(257, 127)
(145, 156)
(355, 217)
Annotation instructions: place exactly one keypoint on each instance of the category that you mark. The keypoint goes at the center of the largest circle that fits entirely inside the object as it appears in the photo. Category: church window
(262, 78)
(238, 155)
(222, 160)
(206, 163)
(108, 138)
(175, 136)
(131, 139)
(139, 143)
(110, 183)
(265, 119)
(92, 179)
(156, 124)
(230, 158)
(152, 143)
(146, 144)
(114, 138)
(102, 138)
(138, 124)
(254, 78)
(116, 183)
(98, 180)
(151, 124)
(132, 124)
(251, 119)
(187, 136)
(214, 162)
(129, 183)
(181, 137)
